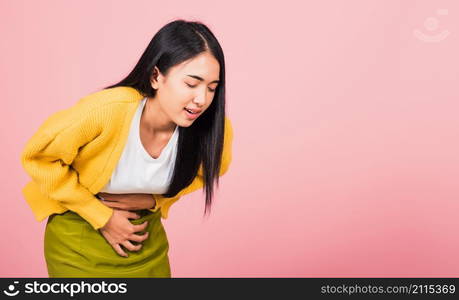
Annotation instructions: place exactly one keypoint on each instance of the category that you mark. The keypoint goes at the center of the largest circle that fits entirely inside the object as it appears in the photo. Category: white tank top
(137, 171)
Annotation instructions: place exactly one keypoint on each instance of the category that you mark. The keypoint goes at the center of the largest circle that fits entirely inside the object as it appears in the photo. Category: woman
(107, 169)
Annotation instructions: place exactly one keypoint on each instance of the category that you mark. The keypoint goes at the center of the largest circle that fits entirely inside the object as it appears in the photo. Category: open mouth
(194, 113)
(191, 112)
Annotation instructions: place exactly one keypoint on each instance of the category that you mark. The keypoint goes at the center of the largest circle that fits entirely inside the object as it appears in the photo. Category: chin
(185, 123)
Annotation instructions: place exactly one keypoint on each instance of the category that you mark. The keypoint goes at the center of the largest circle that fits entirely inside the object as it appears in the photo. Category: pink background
(346, 152)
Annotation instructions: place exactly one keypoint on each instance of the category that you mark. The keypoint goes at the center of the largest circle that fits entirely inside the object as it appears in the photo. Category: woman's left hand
(128, 201)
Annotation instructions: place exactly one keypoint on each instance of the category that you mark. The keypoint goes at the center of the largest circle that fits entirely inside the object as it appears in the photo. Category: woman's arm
(136, 201)
(48, 157)
(133, 201)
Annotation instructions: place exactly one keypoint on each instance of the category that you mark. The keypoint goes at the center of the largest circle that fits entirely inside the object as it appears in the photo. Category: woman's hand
(128, 201)
(120, 231)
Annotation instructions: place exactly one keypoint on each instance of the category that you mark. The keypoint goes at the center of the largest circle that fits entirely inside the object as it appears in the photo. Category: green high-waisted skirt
(73, 248)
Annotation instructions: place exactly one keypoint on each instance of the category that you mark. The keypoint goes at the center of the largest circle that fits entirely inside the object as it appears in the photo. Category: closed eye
(193, 86)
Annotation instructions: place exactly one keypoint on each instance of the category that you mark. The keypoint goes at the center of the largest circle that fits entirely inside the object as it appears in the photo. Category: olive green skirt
(73, 248)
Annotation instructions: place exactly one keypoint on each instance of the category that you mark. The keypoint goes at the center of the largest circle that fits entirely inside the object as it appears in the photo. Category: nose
(200, 99)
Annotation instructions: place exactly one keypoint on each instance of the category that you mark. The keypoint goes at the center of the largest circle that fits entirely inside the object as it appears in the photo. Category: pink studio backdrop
(345, 114)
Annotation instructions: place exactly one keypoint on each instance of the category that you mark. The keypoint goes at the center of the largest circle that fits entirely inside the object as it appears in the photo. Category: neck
(154, 120)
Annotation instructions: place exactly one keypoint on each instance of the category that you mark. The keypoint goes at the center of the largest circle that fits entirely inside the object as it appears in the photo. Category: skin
(160, 116)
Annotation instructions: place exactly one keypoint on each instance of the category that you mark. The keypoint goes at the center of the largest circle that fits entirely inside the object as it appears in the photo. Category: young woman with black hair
(107, 169)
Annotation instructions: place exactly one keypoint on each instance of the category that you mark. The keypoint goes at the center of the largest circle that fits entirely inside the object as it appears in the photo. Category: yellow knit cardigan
(74, 152)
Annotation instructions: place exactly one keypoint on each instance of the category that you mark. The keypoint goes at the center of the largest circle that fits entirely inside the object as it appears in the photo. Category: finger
(128, 245)
(139, 238)
(132, 215)
(140, 227)
(119, 250)
(110, 197)
(109, 203)
(106, 195)
(113, 204)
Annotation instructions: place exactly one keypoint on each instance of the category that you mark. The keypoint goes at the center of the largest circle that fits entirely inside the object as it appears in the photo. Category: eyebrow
(202, 79)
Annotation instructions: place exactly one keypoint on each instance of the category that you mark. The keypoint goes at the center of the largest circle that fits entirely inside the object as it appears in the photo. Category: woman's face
(188, 85)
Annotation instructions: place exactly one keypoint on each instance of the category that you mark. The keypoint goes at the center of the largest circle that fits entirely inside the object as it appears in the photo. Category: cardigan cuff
(158, 203)
(95, 212)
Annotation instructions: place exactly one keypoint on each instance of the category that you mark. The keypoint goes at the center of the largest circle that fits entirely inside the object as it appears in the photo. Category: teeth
(189, 111)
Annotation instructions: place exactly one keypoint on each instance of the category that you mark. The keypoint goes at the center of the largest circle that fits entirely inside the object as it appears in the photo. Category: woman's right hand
(120, 231)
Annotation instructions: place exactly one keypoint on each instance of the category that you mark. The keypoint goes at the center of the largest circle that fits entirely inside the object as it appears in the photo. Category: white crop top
(137, 171)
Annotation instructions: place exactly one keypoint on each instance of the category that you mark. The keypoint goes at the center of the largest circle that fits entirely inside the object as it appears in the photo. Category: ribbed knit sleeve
(48, 158)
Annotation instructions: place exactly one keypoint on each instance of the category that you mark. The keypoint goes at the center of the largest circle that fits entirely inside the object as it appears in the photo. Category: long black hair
(202, 142)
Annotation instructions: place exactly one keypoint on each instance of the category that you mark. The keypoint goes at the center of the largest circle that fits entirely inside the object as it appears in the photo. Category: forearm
(132, 201)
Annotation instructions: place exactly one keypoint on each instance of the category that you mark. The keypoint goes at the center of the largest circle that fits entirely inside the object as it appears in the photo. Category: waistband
(144, 214)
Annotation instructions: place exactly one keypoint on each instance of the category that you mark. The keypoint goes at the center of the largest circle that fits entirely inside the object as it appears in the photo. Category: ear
(154, 78)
